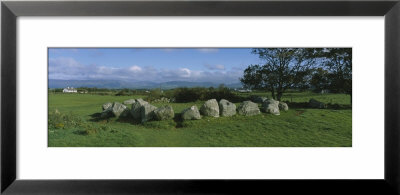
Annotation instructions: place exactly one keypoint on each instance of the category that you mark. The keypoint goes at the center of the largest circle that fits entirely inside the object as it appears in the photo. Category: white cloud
(184, 72)
(135, 68)
(70, 69)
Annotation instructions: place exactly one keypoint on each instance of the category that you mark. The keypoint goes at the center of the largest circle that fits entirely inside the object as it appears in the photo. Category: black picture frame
(10, 10)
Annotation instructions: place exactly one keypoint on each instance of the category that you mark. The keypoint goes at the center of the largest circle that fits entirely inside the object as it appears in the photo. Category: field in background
(299, 127)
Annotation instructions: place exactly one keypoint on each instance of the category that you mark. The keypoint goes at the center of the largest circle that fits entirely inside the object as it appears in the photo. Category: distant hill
(116, 84)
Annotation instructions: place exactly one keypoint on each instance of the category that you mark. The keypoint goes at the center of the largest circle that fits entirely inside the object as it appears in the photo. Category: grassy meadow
(298, 127)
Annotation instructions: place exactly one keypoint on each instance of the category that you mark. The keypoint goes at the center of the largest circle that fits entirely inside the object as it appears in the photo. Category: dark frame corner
(10, 10)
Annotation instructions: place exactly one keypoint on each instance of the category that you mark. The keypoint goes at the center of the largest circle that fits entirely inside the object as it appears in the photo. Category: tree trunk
(273, 93)
(278, 97)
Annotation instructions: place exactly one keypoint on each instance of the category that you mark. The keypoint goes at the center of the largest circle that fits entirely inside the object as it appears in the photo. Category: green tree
(281, 69)
(320, 79)
(338, 61)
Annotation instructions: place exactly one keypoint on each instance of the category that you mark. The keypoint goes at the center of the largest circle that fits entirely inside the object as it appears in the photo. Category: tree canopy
(282, 68)
(285, 68)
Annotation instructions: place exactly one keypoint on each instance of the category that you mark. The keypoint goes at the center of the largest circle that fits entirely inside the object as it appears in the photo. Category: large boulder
(116, 109)
(283, 106)
(147, 112)
(313, 103)
(227, 108)
(164, 113)
(106, 106)
(271, 106)
(136, 109)
(191, 113)
(259, 99)
(210, 108)
(248, 108)
(107, 113)
(119, 109)
(130, 101)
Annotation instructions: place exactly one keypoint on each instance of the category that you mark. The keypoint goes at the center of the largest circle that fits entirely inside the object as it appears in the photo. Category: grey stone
(107, 113)
(106, 106)
(116, 109)
(226, 108)
(130, 101)
(136, 109)
(210, 108)
(248, 108)
(119, 109)
(271, 106)
(191, 113)
(283, 106)
(259, 99)
(147, 112)
(313, 103)
(164, 113)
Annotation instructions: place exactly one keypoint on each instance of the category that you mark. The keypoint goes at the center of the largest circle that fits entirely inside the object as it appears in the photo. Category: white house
(70, 90)
(244, 90)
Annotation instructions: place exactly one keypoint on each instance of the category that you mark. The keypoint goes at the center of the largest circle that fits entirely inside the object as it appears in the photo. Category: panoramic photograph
(199, 97)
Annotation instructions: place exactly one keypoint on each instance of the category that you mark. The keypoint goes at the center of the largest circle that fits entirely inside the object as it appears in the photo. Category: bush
(222, 93)
(184, 95)
(125, 92)
(154, 94)
(57, 120)
(188, 94)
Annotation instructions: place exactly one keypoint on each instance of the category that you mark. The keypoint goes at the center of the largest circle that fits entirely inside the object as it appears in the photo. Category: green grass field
(298, 127)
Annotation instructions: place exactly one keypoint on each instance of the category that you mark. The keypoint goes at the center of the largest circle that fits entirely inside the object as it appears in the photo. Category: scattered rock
(164, 113)
(115, 109)
(130, 101)
(210, 108)
(248, 108)
(271, 106)
(283, 106)
(119, 109)
(191, 113)
(106, 106)
(227, 108)
(313, 103)
(136, 109)
(147, 112)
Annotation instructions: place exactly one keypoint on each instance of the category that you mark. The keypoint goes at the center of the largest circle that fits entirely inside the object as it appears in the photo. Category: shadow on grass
(129, 120)
(303, 105)
(178, 120)
(80, 132)
(96, 117)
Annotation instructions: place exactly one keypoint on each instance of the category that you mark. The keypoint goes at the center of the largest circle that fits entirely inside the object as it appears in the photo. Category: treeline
(184, 94)
(203, 94)
(85, 89)
(104, 91)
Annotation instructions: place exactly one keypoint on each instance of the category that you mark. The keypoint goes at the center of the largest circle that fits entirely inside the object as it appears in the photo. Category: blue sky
(222, 65)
